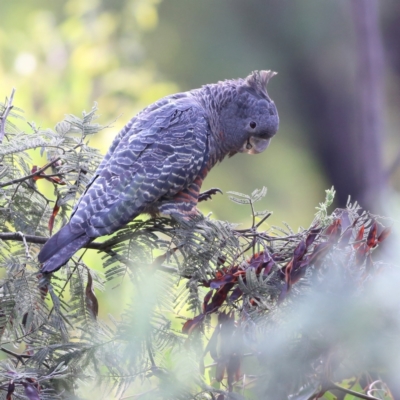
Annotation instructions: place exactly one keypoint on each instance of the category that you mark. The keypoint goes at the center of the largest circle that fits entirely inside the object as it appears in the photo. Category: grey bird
(158, 161)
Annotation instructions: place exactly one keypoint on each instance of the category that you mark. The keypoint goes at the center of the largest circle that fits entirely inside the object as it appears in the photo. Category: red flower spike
(186, 326)
(55, 179)
(239, 273)
(56, 209)
(300, 250)
(10, 390)
(288, 280)
(217, 283)
(360, 236)
(31, 392)
(288, 271)
(237, 292)
(42, 175)
(371, 240)
(191, 324)
(35, 383)
(334, 230)
(219, 274)
(384, 234)
(218, 298)
(258, 260)
(312, 236)
(34, 170)
(43, 291)
(91, 299)
(268, 267)
(207, 298)
(278, 257)
(297, 274)
(298, 255)
(304, 263)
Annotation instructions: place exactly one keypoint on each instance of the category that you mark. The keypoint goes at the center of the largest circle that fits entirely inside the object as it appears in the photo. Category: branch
(101, 246)
(39, 171)
(368, 102)
(16, 236)
(19, 357)
(333, 385)
(3, 118)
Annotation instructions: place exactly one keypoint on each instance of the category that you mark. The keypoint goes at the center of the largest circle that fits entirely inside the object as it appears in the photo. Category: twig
(3, 118)
(19, 357)
(38, 172)
(333, 385)
(263, 219)
(28, 256)
(101, 246)
(253, 214)
(16, 236)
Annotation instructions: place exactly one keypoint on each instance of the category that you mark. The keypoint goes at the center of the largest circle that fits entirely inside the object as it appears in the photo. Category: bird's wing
(131, 128)
(160, 155)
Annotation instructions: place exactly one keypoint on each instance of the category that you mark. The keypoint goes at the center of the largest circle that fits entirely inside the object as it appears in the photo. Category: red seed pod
(371, 239)
(359, 237)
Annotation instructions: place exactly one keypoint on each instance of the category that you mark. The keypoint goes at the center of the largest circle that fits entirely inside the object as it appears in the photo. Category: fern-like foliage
(214, 311)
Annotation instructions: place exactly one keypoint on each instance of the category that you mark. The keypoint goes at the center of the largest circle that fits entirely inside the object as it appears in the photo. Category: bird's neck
(213, 98)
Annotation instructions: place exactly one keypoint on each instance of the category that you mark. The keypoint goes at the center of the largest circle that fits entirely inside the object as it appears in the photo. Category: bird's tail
(61, 247)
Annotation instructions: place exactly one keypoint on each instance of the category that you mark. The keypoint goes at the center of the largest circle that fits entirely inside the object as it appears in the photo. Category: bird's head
(250, 118)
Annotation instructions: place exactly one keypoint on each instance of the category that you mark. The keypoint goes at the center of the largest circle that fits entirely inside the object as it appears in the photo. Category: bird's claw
(208, 193)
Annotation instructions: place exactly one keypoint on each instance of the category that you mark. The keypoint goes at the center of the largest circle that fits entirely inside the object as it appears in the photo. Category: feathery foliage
(215, 312)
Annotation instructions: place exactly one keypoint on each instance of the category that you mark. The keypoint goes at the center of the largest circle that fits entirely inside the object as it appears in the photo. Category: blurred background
(337, 91)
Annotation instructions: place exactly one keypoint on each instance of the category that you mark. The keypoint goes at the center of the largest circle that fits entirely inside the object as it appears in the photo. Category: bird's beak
(255, 145)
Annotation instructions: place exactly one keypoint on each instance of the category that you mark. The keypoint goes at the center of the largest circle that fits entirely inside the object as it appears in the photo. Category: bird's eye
(252, 124)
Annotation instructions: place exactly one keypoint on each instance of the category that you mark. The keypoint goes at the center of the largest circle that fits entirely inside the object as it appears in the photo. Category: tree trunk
(368, 97)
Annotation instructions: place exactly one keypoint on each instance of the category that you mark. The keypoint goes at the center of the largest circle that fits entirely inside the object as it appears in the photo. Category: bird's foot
(208, 193)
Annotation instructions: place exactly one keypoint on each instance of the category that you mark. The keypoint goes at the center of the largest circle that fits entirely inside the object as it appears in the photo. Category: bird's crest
(258, 80)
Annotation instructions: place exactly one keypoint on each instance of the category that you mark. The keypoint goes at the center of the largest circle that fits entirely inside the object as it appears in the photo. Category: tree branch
(333, 385)
(38, 172)
(19, 357)
(101, 246)
(3, 118)
(16, 236)
(369, 99)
